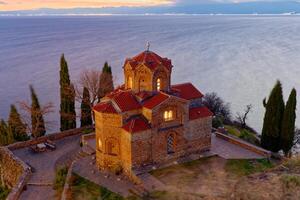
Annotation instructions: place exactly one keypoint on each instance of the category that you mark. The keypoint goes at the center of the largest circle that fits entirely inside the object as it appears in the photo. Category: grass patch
(87, 131)
(4, 191)
(195, 163)
(290, 181)
(243, 134)
(293, 163)
(158, 194)
(167, 195)
(164, 171)
(232, 130)
(247, 167)
(249, 137)
(82, 188)
(175, 168)
(60, 179)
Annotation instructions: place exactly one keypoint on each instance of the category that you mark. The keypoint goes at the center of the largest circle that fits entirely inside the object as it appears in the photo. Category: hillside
(214, 178)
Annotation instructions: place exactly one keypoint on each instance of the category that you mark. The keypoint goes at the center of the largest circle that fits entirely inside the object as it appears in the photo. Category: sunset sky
(9, 5)
(35, 4)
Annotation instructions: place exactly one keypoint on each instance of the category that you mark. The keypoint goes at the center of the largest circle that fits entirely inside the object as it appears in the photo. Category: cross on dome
(148, 46)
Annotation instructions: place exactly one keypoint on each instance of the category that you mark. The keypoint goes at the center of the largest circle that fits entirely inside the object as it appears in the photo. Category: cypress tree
(3, 137)
(72, 112)
(288, 123)
(67, 98)
(86, 112)
(16, 125)
(106, 84)
(37, 119)
(6, 136)
(271, 132)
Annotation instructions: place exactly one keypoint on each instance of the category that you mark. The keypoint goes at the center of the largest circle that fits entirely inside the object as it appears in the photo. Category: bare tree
(296, 137)
(217, 105)
(242, 118)
(28, 112)
(90, 79)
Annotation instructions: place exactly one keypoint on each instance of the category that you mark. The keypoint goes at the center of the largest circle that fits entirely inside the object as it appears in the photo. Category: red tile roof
(125, 101)
(199, 112)
(187, 91)
(155, 100)
(143, 95)
(105, 107)
(150, 59)
(136, 125)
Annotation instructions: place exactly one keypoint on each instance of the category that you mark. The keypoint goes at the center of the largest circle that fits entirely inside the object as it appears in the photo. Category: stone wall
(14, 172)
(244, 144)
(53, 136)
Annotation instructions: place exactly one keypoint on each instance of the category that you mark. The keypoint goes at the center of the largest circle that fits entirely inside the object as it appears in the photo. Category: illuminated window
(130, 83)
(170, 144)
(168, 115)
(99, 143)
(158, 84)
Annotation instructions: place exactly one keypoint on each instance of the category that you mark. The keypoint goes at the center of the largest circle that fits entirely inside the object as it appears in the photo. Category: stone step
(88, 150)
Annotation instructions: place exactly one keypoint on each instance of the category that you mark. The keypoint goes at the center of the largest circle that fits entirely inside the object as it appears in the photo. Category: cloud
(2, 3)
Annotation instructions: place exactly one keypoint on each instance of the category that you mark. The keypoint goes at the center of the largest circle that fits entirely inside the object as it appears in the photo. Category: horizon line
(148, 14)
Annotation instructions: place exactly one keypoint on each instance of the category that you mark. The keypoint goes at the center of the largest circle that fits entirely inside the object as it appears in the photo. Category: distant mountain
(267, 7)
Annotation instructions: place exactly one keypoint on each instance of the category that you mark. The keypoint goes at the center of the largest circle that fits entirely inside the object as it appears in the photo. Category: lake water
(239, 57)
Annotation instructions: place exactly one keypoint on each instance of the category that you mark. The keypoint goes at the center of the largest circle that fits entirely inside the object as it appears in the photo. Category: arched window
(130, 82)
(158, 84)
(170, 144)
(169, 115)
(142, 84)
(112, 147)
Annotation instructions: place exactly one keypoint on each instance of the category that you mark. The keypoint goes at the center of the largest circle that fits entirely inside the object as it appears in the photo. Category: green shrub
(4, 191)
(217, 122)
(60, 178)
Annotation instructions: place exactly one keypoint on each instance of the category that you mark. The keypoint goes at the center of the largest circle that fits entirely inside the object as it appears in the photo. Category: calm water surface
(239, 57)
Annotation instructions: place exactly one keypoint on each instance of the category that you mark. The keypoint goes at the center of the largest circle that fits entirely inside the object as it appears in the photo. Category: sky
(11, 5)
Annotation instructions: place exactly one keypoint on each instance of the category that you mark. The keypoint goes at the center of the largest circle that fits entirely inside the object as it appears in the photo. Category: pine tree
(6, 135)
(67, 96)
(86, 112)
(106, 81)
(288, 123)
(37, 119)
(271, 132)
(16, 125)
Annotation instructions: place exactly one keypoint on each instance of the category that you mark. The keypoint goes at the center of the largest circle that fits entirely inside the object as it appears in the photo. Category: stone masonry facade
(148, 121)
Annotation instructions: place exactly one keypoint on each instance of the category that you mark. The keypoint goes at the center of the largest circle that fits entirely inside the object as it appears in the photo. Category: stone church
(148, 121)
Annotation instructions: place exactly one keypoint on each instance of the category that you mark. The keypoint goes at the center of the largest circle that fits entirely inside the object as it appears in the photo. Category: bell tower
(148, 72)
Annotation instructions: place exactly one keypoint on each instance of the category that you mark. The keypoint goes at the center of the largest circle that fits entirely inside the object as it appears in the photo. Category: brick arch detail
(164, 78)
